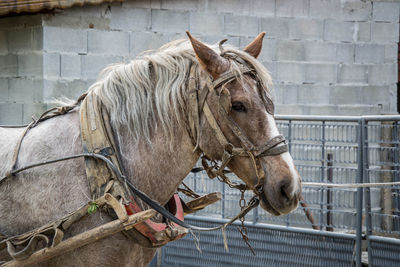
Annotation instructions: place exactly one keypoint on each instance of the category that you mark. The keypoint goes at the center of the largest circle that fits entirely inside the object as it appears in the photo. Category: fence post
(329, 194)
(360, 156)
(367, 189)
(386, 176)
(396, 177)
(322, 178)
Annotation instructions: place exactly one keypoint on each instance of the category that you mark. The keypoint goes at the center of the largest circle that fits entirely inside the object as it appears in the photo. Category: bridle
(200, 100)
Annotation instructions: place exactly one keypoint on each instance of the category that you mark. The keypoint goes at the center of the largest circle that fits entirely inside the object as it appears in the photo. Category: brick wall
(326, 56)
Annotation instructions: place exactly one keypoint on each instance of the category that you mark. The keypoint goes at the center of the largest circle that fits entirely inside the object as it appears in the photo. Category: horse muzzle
(282, 186)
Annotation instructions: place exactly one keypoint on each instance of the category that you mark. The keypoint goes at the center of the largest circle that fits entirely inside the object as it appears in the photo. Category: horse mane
(149, 92)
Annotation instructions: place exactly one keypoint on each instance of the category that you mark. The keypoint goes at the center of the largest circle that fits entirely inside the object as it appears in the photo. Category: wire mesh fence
(310, 144)
(333, 150)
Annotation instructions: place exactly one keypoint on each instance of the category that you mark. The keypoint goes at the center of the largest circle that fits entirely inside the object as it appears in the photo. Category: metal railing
(329, 149)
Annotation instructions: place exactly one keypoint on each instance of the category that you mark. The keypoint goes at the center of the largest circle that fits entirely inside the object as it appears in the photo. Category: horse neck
(159, 168)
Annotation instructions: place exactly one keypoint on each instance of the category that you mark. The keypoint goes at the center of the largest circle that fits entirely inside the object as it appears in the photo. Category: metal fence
(325, 149)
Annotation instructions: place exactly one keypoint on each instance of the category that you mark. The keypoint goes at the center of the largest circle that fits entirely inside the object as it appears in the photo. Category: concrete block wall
(325, 56)
(21, 69)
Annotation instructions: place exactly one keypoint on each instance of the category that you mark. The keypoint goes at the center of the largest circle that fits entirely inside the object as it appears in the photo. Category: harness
(98, 138)
(105, 172)
(204, 100)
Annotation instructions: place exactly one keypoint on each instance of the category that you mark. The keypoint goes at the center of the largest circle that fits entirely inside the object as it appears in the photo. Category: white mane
(149, 92)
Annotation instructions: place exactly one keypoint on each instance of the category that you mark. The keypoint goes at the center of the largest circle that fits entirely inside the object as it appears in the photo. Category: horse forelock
(149, 93)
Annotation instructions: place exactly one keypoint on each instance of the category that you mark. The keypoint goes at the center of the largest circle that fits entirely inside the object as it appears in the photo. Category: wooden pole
(83, 239)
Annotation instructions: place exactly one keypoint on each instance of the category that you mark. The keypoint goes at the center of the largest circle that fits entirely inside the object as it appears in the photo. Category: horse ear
(254, 48)
(208, 58)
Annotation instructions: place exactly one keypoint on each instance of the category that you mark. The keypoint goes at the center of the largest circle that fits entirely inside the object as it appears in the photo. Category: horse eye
(239, 107)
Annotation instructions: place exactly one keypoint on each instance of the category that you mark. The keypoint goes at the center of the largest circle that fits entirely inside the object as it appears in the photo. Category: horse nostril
(286, 190)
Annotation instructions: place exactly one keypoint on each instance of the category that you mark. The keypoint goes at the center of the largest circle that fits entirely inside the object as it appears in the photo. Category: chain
(242, 229)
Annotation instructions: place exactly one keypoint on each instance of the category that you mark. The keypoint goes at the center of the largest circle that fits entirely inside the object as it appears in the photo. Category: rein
(134, 190)
(199, 102)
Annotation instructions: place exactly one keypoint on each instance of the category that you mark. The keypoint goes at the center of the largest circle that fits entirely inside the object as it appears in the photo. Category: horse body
(156, 160)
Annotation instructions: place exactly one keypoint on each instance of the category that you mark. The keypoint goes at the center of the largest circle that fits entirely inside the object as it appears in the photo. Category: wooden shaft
(83, 239)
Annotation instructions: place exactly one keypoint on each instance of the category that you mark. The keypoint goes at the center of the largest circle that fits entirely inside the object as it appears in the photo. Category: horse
(147, 102)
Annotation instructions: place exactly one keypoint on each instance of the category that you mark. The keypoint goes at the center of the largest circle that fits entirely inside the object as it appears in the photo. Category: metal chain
(242, 229)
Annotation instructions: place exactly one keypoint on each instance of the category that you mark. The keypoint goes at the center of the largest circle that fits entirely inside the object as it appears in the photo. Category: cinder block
(347, 31)
(108, 42)
(313, 94)
(290, 72)
(57, 88)
(64, 40)
(262, 8)
(32, 109)
(142, 41)
(27, 39)
(51, 65)
(345, 53)
(241, 25)
(288, 8)
(182, 5)
(382, 74)
(357, 110)
(391, 53)
(25, 90)
(286, 109)
(363, 31)
(306, 28)
(356, 10)
(130, 19)
(320, 73)
(320, 51)
(324, 109)
(275, 27)
(382, 32)
(30, 64)
(177, 21)
(369, 53)
(352, 74)
(340, 31)
(326, 9)
(373, 95)
(70, 65)
(384, 11)
(290, 50)
(206, 23)
(3, 43)
(11, 114)
(343, 95)
(92, 65)
(3, 89)
(286, 93)
(8, 66)
(77, 21)
(230, 6)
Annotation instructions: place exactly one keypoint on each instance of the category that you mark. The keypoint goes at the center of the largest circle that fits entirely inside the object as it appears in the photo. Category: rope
(354, 185)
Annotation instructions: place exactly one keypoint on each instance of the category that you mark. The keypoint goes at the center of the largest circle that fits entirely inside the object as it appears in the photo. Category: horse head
(246, 137)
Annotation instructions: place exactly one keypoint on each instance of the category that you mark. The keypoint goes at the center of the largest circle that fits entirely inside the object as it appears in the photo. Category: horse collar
(97, 137)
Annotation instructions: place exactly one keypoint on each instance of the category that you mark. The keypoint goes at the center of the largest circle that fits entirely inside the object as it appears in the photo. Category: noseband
(200, 100)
